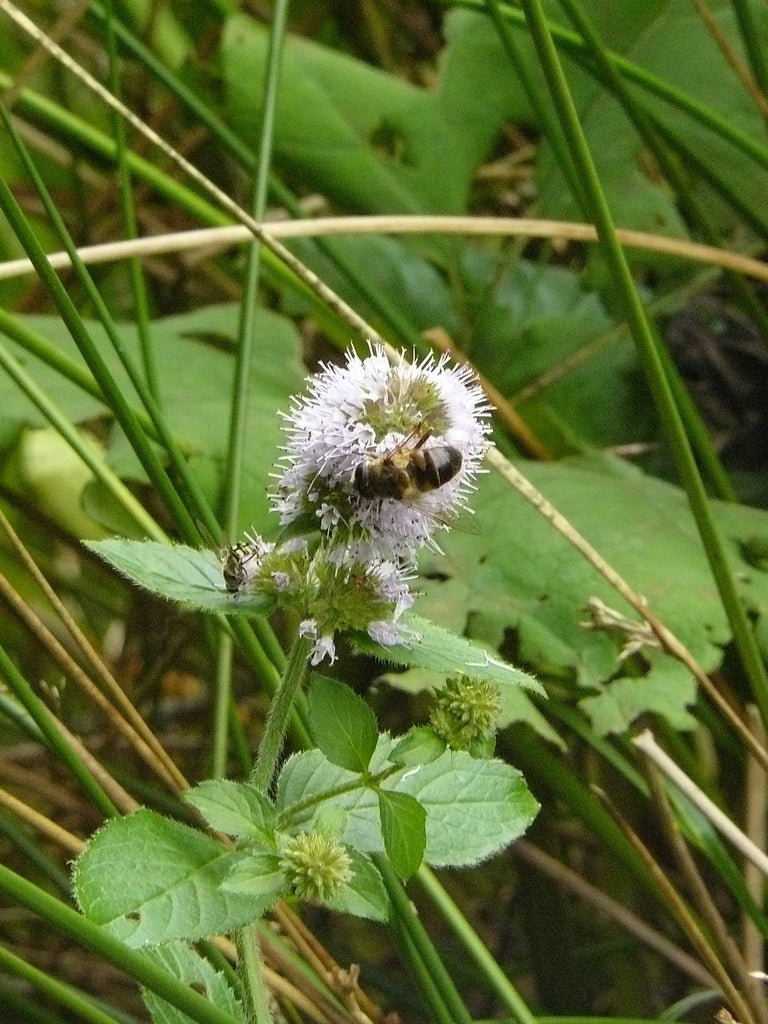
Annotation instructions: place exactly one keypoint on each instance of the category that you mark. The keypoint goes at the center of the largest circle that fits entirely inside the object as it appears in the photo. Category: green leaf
(343, 725)
(403, 828)
(517, 582)
(649, 35)
(179, 573)
(148, 879)
(366, 895)
(257, 875)
(188, 966)
(420, 745)
(236, 808)
(474, 807)
(435, 648)
(369, 140)
(190, 348)
(538, 317)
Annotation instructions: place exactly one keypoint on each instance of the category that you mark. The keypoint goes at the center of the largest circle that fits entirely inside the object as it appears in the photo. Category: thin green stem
(65, 995)
(109, 386)
(279, 714)
(135, 268)
(254, 991)
(87, 452)
(648, 353)
(571, 43)
(238, 425)
(424, 980)
(469, 938)
(364, 283)
(754, 42)
(92, 936)
(542, 107)
(439, 978)
(221, 706)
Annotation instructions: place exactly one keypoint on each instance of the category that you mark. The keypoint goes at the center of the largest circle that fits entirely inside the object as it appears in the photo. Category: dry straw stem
(684, 917)
(219, 238)
(299, 992)
(40, 823)
(755, 814)
(73, 671)
(132, 725)
(596, 898)
(729, 952)
(646, 742)
(669, 642)
(731, 56)
(343, 982)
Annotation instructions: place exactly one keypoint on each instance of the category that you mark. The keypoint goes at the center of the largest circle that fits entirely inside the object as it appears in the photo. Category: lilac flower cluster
(380, 455)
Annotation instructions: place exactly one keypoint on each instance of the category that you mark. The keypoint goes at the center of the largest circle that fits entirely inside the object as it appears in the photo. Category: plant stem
(255, 1004)
(469, 938)
(440, 982)
(648, 355)
(249, 953)
(279, 714)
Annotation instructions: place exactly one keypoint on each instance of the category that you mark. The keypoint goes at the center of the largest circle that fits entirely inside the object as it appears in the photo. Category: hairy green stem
(436, 973)
(279, 714)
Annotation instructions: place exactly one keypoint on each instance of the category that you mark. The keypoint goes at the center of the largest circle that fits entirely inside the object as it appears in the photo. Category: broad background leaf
(517, 584)
(195, 369)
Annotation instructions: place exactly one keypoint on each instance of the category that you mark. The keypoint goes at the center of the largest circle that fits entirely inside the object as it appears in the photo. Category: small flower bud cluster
(315, 865)
(465, 714)
(333, 594)
(379, 455)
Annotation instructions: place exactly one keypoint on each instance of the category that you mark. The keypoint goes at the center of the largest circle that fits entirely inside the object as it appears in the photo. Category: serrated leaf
(179, 573)
(420, 745)
(236, 808)
(474, 807)
(194, 970)
(343, 725)
(366, 895)
(439, 650)
(331, 821)
(148, 879)
(403, 829)
(258, 875)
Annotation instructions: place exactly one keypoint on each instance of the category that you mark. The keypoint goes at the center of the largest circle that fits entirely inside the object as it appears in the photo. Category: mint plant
(380, 456)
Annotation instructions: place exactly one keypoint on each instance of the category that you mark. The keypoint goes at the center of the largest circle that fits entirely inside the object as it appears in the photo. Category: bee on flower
(380, 454)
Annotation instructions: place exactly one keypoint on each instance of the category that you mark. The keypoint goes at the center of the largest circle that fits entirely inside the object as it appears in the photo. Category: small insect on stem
(236, 565)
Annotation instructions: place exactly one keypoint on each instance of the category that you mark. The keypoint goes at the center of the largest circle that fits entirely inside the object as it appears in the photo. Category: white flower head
(381, 453)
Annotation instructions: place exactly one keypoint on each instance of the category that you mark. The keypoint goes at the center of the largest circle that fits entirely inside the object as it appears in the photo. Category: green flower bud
(315, 865)
(466, 712)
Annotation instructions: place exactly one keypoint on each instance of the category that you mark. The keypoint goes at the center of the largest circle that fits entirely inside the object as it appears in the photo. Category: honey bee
(407, 470)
